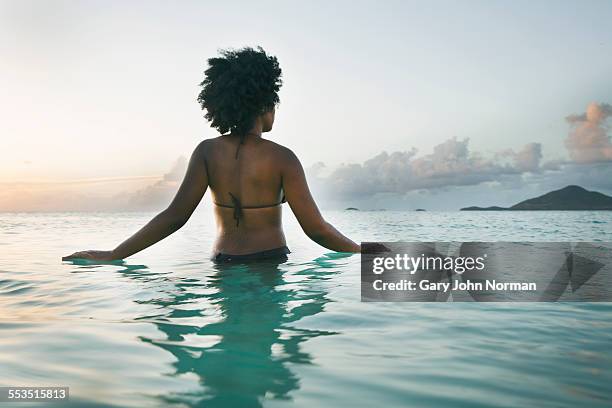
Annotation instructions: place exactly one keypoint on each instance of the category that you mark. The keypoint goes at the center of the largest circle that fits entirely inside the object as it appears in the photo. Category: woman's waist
(245, 241)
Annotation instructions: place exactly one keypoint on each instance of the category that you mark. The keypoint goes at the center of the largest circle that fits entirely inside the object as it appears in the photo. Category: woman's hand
(92, 255)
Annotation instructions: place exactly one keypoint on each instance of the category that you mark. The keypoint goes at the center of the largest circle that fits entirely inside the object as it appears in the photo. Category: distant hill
(566, 199)
(351, 209)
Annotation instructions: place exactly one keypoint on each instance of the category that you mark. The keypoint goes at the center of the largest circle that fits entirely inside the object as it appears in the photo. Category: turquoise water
(168, 328)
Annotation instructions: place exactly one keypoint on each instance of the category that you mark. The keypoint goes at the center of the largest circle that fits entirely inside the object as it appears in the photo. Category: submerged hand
(91, 255)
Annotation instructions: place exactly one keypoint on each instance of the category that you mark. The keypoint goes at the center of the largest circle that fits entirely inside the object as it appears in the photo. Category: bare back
(256, 177)
(252, 173)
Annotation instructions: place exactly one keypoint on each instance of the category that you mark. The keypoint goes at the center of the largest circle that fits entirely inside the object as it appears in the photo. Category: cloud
(158, 195)
(528, 159)
(504, 190)
(100, 194)
(588, 141)
(451, 164)
(177, 172)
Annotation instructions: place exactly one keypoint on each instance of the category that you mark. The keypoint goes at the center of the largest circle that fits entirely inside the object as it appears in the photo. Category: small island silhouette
(570, 198)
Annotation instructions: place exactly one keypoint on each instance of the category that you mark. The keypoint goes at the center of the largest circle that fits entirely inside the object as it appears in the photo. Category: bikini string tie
(237, 208)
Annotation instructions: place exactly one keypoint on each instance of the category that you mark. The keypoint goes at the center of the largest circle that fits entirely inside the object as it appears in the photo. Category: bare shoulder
(204, 147)
(281, 154)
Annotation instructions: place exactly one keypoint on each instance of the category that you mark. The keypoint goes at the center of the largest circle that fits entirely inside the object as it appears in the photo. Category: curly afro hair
(239, 86)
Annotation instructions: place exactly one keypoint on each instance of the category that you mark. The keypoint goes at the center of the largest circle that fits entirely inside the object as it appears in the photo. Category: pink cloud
(588, 141)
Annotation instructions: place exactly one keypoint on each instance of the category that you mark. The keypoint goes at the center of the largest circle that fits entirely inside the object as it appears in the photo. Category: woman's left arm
(168, 221)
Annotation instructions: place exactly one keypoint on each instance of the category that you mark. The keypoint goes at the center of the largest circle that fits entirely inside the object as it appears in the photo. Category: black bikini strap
(237, 208)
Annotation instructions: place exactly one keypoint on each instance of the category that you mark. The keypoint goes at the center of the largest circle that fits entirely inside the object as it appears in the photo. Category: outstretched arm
(168, 221)
(306, 211)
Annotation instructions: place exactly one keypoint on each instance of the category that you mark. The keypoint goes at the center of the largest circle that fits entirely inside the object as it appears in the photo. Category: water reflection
(235, 328)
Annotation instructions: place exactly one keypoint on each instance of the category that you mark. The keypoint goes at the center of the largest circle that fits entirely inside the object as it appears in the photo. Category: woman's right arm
(167, 222)
(306, 211)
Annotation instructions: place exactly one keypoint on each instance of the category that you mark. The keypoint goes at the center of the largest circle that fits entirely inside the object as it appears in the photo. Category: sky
(394, 104)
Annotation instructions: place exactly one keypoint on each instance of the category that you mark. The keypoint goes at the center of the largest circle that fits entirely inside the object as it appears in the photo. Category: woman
(249, 177)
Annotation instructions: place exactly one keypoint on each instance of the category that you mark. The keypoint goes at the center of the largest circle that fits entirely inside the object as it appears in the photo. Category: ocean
(169, 328)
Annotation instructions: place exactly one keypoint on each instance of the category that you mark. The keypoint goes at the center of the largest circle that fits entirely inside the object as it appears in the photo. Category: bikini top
(237, 205)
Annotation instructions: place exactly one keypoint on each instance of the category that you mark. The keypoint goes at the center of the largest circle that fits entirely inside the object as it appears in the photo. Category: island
(351, 209)
(420, 209)
(570, 198)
